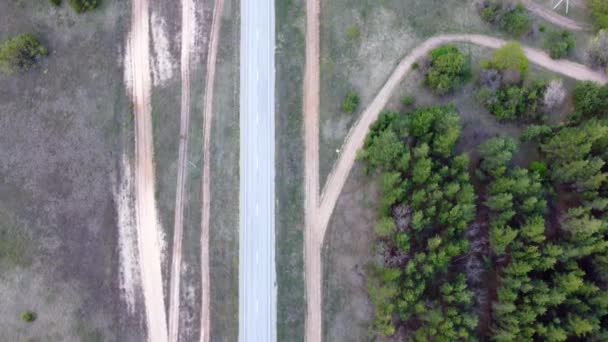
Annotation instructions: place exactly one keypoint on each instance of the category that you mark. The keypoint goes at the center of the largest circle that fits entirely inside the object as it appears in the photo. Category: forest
(473, 246)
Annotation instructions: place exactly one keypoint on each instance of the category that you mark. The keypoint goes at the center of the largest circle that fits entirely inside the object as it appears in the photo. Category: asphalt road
(257, 277)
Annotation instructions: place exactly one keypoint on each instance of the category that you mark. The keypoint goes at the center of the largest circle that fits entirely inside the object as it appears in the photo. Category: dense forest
(473, 247)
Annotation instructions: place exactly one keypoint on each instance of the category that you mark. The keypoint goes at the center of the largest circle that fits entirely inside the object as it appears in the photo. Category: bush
(510, 57)
(28, 316)
(516, 21)
(20, 52)
(55, 2)
(448, 69)
(351, 102)
(599, 11)
(559, 44)
(407, 100)
(555, 94)
(352, 32)
(510, 18)
(81, 6)
(597, 51)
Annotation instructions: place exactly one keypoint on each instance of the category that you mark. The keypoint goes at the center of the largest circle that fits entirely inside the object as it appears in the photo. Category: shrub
(351, 102)
(55, 2)
(510, 18)
(516, 21)
(510, 57)
(559, 44)
(597, 51)
(352, 32)
(448, 69)
(407, 100)
(599, 11)
(28, 316)
(81, 6)
(20, 52)
(555, 94)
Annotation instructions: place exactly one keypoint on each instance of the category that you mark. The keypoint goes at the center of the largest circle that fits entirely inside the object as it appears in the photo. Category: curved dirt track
(206, 193)
(316, 225)
(554, 17)
(148, 234)
(178, 228)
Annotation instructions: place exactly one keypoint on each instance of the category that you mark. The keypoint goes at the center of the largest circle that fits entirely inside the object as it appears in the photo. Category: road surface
(257, 278)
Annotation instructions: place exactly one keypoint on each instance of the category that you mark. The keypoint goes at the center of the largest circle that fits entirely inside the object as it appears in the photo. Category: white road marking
(257, 209)
(257, 75)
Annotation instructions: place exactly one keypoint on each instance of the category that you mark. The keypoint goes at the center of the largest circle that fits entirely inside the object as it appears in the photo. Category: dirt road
(316, 225)
(188, 32)
(553, 17)
(312, 239)
(148, 228)
(206, 193)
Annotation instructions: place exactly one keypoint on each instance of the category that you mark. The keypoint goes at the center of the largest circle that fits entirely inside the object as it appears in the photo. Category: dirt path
(188, 32)
(553, 17)
(148, 228)
(206, 193)
(318, 218)
(312, 238)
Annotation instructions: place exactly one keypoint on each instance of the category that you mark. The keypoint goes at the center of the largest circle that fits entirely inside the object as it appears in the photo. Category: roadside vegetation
(20, 53)
(491, 249)
(599, 12)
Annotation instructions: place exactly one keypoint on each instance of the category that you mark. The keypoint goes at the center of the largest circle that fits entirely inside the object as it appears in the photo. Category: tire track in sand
(206, 193)
(188, 31)
(148, 233)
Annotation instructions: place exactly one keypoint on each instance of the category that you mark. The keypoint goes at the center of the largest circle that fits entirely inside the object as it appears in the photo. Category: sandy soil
(553, 17)
(317, 217)
(188, 32)
(148, 235)
(206, 193)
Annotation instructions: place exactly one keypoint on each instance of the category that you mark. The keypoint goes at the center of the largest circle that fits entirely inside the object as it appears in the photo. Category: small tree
(20, 52)
(510, 57)
(351, 102)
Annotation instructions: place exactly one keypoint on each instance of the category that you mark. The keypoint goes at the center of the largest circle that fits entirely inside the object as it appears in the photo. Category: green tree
(510, 57)
(448, 69)
(496, 154)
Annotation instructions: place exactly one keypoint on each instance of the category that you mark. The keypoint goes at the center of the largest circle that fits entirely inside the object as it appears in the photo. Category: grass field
(291, 306)
(64, 127)
(224, 224)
